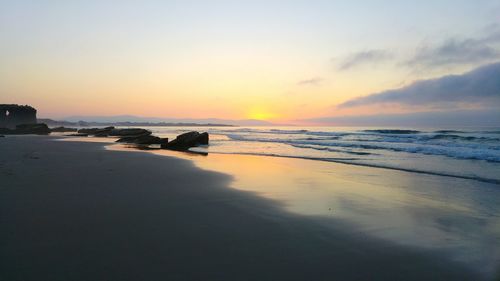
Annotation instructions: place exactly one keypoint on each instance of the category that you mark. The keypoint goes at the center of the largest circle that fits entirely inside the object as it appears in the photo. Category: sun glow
(260, 114)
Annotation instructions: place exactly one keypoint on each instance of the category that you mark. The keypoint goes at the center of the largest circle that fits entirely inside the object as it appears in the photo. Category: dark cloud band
(479, 86)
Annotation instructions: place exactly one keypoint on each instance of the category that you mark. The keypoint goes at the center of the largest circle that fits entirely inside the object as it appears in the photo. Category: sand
(76, 211)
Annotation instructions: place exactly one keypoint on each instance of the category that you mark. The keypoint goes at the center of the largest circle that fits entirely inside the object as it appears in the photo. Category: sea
(469, 153)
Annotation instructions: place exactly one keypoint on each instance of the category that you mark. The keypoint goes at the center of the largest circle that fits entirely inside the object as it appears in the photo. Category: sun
(260, 114)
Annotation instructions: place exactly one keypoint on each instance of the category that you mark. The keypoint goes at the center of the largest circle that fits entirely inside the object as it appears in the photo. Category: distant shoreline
(56, 123)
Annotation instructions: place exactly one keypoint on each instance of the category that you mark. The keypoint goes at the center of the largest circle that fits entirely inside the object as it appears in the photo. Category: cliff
(12, 115)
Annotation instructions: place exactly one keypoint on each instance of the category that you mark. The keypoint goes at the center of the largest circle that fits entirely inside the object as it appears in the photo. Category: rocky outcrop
(186, 141)
(113, 132)
(129, 132)
(37, 129)
(12, 115)
(26, 129)
(5, 131)
(78, 135)
(63, 130)
(143, 139)
(98, 132)
(203, 138)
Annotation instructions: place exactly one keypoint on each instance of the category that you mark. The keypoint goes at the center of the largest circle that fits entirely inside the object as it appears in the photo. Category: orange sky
(225, 60)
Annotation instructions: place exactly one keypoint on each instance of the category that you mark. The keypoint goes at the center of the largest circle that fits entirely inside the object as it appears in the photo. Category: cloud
(364, 57)
(456, 51)
(479, 86)
(316, 81)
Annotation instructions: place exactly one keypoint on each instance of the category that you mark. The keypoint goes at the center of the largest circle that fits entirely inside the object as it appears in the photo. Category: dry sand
(75, 211)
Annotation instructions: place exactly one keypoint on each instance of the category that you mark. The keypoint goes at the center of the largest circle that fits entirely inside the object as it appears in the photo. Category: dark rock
(63, 130)
(103, 134)
(203, 138)
(129, 132)
(78, 135)
(89, 131)
(37, 129)
(186, 141)
(149, 140)
(12, 115)
(112, 131)
(2, 136)
(129, 139)
(24, 129)
(6, 131)
(163, 141)
(98, 132)
(143, 139)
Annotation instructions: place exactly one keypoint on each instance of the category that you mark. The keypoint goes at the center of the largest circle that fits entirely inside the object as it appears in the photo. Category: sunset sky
(283, 61)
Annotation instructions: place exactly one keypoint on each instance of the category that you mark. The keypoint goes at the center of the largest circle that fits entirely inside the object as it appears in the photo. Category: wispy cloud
(363, 58)
(456, 51)
(479, 86)
(316, 81)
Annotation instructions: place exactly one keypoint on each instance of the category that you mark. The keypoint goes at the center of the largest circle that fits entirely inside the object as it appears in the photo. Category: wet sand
(76, 211)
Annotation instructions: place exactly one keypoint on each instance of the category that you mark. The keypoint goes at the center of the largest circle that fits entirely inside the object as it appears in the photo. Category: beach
(80, 210)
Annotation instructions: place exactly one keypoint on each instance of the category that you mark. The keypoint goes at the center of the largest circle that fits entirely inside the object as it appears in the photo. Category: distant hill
(59, 123)
(150, 120)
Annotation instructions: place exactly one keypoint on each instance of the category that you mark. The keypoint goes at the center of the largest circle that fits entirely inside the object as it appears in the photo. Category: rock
(2, 136)
(186, 141)
(24, 129)
(129, 132)
(89, 131)
(129, 139)
(203, 138)
(143, 139)
(6, 131)
(37, 129)
(112, 131)
(12, 115)
(63, 130)
(98, 132)
(78, 135)
(103, 134)
(150, 140)
(163, 141)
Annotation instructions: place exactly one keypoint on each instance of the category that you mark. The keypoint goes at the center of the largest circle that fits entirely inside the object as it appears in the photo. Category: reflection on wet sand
(432, 212)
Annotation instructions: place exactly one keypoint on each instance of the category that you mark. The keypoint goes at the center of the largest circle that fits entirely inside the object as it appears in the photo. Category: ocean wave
(319, 139)
(331, 149)
(463, 138)
(468, 141)
(288, 131)
(449, 132)
(393, 131)
(283, 132)
(459, 151)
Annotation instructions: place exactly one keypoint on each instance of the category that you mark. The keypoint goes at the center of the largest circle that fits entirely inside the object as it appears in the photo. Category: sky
(284, 61)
